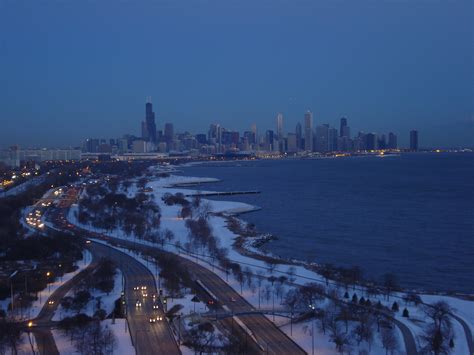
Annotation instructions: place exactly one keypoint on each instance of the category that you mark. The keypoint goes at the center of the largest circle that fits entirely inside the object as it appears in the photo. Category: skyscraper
(370, 141)
(414, 140)
(322, 138)
(279, 128)
(299, 136)
(269, 140)
(392, 141)
(381, 142)
(332, 139)
(291, 143)
(169, 132)
(308, 131)
(343, 126)
(150, 124)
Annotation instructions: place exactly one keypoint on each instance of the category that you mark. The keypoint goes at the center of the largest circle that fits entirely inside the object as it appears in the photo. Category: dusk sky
(77, 69)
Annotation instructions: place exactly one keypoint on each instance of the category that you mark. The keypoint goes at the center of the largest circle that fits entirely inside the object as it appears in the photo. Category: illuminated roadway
(269, 337)
(43, 322)
(148, 338)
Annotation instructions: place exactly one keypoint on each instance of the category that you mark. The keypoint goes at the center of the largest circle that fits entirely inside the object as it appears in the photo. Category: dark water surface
(412, 214)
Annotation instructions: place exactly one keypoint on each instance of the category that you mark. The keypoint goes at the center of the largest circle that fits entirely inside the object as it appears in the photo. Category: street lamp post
(273, 304)
(291, 322)
(312, 329)
(48, 274)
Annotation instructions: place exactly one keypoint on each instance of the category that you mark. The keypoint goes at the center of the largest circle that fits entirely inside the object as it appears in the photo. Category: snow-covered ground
(303, 334)
(23, 187)
(302, 275)
(24, 347)
(107, 301)
(120, 329)
(463, 309)
(35, 308)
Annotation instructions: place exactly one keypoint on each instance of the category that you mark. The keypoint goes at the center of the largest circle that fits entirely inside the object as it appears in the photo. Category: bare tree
(337, 336)
(439, 332)
(388, 339)
(95, 339)
(327, 271)
(364, 330)
(291, 274)
(205, 209)
(390, 282)
(196, 202)
(270, 265)
(10, 333)
(202, 337)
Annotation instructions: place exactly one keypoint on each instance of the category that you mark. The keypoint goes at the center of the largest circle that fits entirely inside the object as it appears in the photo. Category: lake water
(412, 215)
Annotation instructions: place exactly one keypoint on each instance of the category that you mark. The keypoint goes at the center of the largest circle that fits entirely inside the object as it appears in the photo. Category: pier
(225, 193)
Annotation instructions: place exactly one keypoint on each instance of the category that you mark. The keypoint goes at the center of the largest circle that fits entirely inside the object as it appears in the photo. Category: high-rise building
(253, 129)
(149, 128)
(269, 140)
(230, 137)
(299, 136)
(169, 132)
(344, 144)
(392, 141)
(279, 126)
(414, 140)
(332, 139)
(370, 141)
(308, 131)
(291, 143)
(214, 134)
(343, 126)
(91, 145)
(381, 142)
(322, 138)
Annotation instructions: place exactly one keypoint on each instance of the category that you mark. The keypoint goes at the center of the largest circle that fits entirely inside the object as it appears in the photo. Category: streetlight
(48, 274)
(312, 328)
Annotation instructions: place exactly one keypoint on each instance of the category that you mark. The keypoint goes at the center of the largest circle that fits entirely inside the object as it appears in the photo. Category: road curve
(41, 330)
(467, 331)
(147, 338)
(156, 338)
(269, 336)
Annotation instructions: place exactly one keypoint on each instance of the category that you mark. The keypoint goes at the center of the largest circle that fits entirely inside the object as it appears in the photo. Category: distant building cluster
(154, 142)
(217, 140)
(14, 156)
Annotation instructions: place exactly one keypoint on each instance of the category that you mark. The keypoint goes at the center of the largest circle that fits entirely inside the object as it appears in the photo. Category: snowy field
(107, 301)
(120, 330)
(37, 305)
(23, 187)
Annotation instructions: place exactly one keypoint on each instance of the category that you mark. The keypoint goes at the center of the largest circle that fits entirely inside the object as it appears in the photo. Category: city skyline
(156, 123)
(234, 64)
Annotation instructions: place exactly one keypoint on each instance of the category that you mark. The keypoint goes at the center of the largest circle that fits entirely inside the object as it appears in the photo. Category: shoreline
(241, 246)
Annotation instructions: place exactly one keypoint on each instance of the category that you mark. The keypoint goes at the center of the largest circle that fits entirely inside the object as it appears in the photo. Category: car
(159, 318)
(136, 288)
(50, 302)
(210, 302)
(153, 296)
(144, 294)
(152, 320)
(143, 287)
(88, 241)
(155, 306)
(138, 304)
